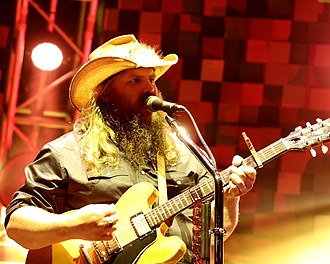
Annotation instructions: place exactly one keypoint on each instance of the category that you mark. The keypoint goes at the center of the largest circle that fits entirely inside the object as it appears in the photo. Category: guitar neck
(265, 155)
(184, 200)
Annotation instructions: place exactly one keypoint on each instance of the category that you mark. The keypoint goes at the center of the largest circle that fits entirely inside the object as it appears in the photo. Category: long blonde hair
(96, 140)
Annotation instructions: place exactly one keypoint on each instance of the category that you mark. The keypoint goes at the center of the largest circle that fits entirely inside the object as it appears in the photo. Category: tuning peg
(324, 149)
(298, 128)
(313, 152)
(308, 124)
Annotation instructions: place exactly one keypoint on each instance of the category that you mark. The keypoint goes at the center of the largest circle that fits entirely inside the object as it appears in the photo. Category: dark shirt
(57, 181)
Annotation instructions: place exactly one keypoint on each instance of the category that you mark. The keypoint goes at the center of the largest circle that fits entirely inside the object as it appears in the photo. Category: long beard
(140, 142)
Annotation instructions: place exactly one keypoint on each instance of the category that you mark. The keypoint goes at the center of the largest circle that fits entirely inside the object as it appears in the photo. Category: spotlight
(47, 56)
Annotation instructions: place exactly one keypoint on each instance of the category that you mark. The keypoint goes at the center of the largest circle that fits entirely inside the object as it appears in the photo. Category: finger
(237, 176)
(111, 221)
(250, 172)
(245, 184)
(242, 179)
(244, 172)
(237, 182)
(234, 191)
(237, 160)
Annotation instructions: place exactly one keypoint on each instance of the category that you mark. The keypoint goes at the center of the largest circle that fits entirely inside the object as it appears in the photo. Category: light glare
(47, 56)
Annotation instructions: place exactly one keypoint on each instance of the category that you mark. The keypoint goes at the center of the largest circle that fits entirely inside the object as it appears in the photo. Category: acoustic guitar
(140, 238)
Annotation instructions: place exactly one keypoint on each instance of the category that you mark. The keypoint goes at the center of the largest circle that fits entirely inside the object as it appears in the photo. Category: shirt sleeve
(45, 184)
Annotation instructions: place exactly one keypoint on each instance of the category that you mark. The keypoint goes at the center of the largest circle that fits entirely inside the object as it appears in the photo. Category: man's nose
(149, 87)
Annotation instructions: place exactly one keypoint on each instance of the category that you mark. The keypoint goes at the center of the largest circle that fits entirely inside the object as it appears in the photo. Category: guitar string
(267, 153)
(127, 233)
(124, 235)
(208, 184)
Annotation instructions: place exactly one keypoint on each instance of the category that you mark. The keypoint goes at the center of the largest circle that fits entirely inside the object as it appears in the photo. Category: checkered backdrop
(255, 66)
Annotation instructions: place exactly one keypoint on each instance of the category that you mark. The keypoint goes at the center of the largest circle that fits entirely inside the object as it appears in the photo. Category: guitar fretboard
(184, 200)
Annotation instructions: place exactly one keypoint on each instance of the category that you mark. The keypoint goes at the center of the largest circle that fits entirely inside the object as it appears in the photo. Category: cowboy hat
(116, 55)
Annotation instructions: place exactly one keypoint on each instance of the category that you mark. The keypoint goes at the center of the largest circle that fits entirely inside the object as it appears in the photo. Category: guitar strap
(161, 176)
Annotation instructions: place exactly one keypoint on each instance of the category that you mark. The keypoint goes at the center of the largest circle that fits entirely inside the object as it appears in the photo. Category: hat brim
(94, 72)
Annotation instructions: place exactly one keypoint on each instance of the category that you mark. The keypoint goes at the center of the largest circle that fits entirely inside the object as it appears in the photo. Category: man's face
(125, 94)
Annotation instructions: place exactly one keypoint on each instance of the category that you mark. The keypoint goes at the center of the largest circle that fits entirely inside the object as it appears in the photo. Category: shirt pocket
(111, 184)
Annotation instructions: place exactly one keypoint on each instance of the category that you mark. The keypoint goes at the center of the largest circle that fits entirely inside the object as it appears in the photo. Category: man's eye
(134, 80)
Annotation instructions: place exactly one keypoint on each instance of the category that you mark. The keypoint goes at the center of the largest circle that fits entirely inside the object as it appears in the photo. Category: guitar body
(167, 250)
(152, 248)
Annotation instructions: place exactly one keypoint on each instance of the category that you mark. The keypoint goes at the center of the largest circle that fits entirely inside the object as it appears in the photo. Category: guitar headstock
(309, 136)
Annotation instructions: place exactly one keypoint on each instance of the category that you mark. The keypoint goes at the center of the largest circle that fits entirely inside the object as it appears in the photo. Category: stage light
(47, 56)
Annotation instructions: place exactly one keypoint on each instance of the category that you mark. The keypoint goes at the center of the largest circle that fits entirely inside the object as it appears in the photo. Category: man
(116, 143)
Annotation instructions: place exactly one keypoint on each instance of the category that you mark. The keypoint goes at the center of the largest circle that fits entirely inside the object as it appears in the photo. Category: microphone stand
(218, 231)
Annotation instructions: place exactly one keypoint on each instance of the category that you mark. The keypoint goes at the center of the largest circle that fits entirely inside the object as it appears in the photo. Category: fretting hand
(242, 178)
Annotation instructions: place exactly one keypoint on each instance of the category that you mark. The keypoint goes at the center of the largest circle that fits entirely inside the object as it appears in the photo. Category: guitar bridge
(99, 251)
(140, 225)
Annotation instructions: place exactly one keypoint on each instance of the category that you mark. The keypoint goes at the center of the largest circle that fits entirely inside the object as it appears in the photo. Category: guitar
(140, 238)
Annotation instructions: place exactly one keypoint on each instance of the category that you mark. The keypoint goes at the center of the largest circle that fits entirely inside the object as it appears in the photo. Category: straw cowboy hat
(116, 55)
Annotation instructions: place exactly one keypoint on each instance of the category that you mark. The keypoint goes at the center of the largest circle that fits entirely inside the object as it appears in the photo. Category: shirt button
(143, 172)
(179, 182)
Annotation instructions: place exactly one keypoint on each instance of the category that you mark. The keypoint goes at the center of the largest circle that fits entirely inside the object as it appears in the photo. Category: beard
(138, 141)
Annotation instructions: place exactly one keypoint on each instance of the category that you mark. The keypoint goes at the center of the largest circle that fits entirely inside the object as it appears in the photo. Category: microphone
(153, 104)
